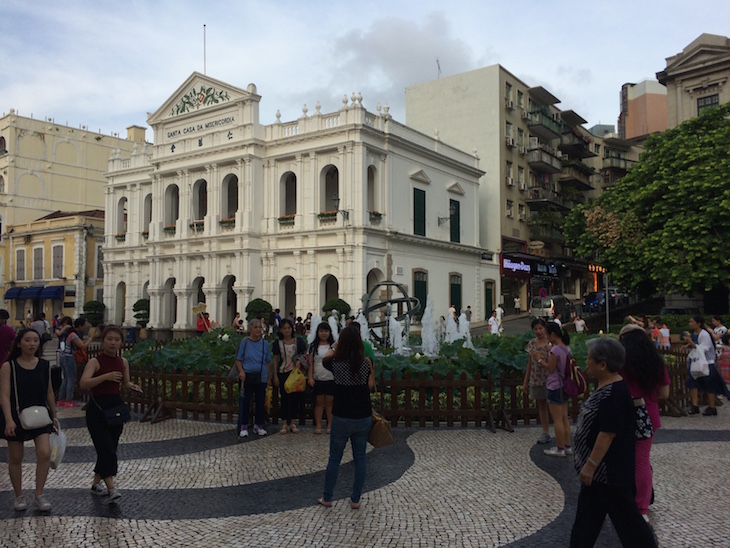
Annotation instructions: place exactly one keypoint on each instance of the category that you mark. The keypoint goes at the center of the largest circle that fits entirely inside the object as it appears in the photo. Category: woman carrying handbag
(106, 413)
(27, 396)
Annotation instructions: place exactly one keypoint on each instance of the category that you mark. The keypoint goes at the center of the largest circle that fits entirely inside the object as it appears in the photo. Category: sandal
(353, 505)
(293, 429)
(325, 503)
(283, 430)
(318, 431)
(328, 430)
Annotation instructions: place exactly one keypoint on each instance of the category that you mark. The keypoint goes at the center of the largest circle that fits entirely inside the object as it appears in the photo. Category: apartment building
(643, 110)
(536, 159)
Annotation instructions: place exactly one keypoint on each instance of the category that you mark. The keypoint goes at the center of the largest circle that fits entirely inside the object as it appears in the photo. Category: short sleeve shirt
(609, 409)
(254, 357)
(538, 374)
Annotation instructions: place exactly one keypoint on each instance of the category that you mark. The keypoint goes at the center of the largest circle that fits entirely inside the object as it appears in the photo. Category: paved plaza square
(187, 483)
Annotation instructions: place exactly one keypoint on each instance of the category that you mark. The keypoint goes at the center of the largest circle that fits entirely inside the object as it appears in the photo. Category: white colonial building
(222, 210)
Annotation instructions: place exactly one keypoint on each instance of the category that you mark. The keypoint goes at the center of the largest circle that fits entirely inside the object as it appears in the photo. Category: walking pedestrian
(25, 381)
(518, 305)
(71, 341)
(604, 454)
(103, 377)
(711, 384)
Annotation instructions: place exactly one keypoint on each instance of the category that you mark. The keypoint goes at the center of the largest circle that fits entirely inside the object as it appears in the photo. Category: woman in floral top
(536, 376)
(285, 352)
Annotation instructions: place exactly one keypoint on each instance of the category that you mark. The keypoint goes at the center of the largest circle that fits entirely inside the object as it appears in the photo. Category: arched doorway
(329, 288)
(198, 284)
(288, 296)
(231, 305)
(120, 303)
(168, 313)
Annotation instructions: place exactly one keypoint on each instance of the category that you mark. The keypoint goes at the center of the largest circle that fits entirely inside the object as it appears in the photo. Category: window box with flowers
(120, 237)
(327, 215)
(375, 216)
(228, 222)
(169, 229)
(287, 219)
(197, 225)
(145, 234)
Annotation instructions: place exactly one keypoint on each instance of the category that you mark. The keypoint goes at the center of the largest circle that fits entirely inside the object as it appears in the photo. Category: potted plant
(197, 225)
(145, 234)
(169, 229)
(142, 314)
(287, 219)
(94, 314)
(258, 308)
(228, 221)
(327, 215)
(336, 304)
(121, 236)
(375, 216)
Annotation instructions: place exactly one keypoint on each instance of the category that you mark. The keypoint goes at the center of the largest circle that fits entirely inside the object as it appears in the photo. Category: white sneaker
(554, 452)
(114, 495)
(99, 489)
(568, 450)
(42, 504)
(243, 433)
(21, 504)
(260, 430)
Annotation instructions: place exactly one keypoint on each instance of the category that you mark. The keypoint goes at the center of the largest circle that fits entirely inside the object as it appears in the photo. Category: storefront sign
(509, 264)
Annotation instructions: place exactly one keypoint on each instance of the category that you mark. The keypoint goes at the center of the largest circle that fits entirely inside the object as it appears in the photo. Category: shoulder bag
(35, 416)
(233, 371)
(644, 427)
(698, 364)
(115, 415)
(381, 433)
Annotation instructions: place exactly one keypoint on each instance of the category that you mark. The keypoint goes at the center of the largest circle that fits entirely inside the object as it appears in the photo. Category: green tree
(336, 304)
(664, 224)
(257, 309)
(94, 312)
(142, 312)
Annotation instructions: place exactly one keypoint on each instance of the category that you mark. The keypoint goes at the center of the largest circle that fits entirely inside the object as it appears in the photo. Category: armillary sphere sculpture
(389, 306)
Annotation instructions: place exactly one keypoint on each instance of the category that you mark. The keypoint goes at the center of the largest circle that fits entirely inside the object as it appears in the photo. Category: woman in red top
(103, 376)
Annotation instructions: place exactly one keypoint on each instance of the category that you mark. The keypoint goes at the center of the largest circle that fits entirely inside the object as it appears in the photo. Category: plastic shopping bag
(58, 447)
(698, 365)
(296, 382)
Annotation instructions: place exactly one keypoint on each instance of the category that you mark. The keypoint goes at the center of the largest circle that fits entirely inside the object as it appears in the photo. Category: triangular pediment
(456, 188)
(420, 176)
(198, 93)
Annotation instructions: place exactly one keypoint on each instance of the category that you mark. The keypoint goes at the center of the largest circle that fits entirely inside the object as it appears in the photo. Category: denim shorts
(556, 396)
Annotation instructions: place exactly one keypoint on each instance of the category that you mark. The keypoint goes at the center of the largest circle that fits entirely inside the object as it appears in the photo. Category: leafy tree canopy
(666, 222)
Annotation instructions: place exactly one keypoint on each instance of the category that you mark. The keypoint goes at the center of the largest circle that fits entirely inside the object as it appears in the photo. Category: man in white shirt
(494, 323)
(580, 324)
(557, 319)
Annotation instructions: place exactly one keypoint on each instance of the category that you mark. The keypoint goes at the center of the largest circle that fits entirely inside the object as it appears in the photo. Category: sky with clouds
(106, 64)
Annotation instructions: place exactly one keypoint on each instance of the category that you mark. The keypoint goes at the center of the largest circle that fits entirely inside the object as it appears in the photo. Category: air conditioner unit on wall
(510, 181)
(509, 104)
(523, 186)
(525, 115)
(523, 150)
(509, 213)
(510, 141)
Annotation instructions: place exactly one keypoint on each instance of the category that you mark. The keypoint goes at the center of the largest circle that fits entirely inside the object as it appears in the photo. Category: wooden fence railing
(420, 400)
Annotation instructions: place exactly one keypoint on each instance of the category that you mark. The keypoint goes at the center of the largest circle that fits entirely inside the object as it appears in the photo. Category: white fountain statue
(429, 331)
(452, 332)
(332, 320)
(395, 334)
(364, 330)
(378, 330)
(465, 332)
(316, 320)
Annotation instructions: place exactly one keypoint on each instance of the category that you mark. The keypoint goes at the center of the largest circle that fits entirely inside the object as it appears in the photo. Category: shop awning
(31, 292)
(13, 293)
(54, 292)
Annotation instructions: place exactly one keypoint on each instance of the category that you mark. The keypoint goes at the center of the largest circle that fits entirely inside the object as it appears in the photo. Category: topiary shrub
(142, 312)
(94, 312)
(336, 304)
(258, 308)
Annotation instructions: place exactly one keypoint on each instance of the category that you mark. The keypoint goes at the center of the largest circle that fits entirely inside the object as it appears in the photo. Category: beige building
(643, 110)
(53, 264)
(536, 159)
(222, 209)
(47, 167)
(697, 78)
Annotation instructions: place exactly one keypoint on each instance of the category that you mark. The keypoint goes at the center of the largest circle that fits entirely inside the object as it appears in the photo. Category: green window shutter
(419, 212)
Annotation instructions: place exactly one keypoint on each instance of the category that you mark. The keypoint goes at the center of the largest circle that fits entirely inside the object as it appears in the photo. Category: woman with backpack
(556, 364)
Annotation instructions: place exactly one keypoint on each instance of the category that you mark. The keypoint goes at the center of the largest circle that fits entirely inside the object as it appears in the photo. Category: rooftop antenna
(438, 66)
(205, 67)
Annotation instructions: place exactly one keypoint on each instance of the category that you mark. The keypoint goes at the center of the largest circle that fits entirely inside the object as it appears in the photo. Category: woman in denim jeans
(253, 358)
(69, 335)
(351, 411)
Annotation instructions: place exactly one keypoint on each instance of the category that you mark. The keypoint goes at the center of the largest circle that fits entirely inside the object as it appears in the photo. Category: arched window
(288, 194)
(147, 213)
(172, 205)
(230, 196)
(330, 187)
(455, 291)
(3, 146)
(2, 185)
(200, 199)
(420, 289)
(373, 190)
(121, 216)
